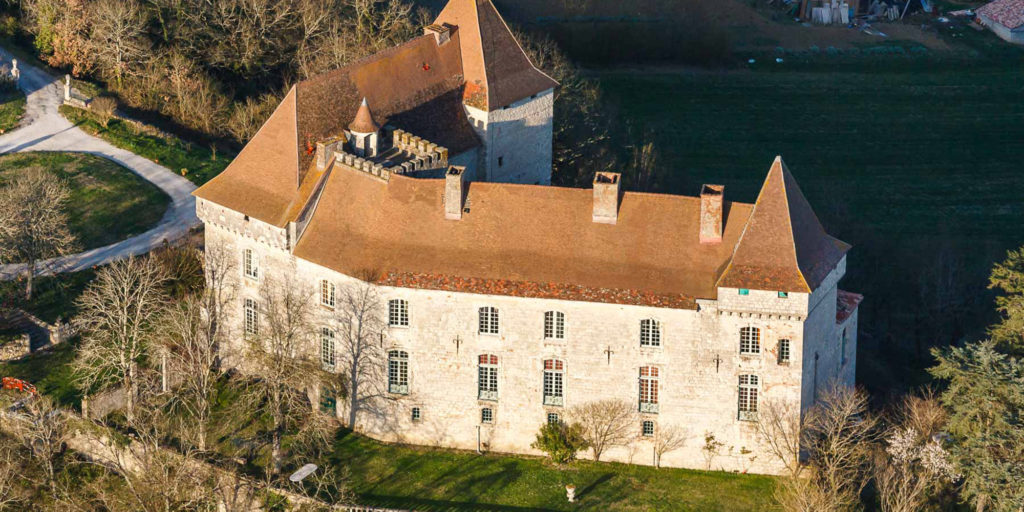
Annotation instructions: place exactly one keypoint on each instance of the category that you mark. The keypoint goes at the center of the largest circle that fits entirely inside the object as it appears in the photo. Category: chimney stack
(441, 33)
(454, 193)
(606, 197)
(711, 213)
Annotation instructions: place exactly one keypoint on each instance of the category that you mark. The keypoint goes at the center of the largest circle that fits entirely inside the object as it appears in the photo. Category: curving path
(44, 129)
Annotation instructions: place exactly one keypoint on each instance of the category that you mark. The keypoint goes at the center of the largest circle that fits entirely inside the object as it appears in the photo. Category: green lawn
(52, 298)
(195, 162)
(12, 107)
(50, 372)
(108, 202)
(440, 480)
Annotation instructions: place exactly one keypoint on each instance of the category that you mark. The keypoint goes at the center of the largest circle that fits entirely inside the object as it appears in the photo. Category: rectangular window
(650, 333)
(501, 159)
(252, 318)
(486, 415)
(553, 382)
(250, 266)
(398, 313)
(553, 418)
(748, 398)
(554, 325)
(327, 293)
(488, 320)
(398, 372)
(415, 413)
(327, 353)
(649, 389)
(744, 291)
(783, 351)
(750, 340)
(487, 385)
(783, 295)
(647, 428)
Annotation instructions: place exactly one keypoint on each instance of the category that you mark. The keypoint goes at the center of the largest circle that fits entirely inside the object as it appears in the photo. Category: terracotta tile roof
(518, 239)
(783, 247)
(1009, 13)
(364, 123)
(497, 71)
(846, 304)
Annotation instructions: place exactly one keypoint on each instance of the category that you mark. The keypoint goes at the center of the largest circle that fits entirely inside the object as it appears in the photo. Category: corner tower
(509, 102)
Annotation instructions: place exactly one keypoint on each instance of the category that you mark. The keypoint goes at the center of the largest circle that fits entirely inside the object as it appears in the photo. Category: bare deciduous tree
(104, 107)
(42, 428)
(666, 439)
(283, 361)
(361, 356)
(33, 223)
(194, 333)
(118, 314)
(605, 423)
(115, 37)
(11, 471)
(835, 435)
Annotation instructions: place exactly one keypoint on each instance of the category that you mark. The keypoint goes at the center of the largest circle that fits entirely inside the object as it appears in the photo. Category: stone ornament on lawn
(570, 492)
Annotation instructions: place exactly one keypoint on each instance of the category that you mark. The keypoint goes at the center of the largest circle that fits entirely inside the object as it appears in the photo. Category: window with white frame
(748, 397)
(650, 333)
(553, 418)
(398, 313)
(784, 352)
(554, 372)
(327, 293)
(250, 265)
(554, 325)
(647, 428)
(649, 389)
(398, 372)
(486, 415)
(327, 353)
(487, 385)
(252, 318)
(750, 340)
(488, 320)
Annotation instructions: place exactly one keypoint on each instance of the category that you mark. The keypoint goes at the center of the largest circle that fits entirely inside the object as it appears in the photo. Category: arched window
(649, 389)
(327, 353)
(554, 325)
(398, 313)
(398, 372)
(252, 318)
(750, 340)
(327, 293)
(784, 352)
(487, 386)
(650, 333)
(554, 373)
(488, 320)
(748, 397)
(250, 265)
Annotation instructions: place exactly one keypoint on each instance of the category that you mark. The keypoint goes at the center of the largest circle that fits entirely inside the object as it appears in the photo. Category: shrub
(560, 441)
(104, 108)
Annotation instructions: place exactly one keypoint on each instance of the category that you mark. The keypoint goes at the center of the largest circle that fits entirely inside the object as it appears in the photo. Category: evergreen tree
(985, 400)
(1008, 276)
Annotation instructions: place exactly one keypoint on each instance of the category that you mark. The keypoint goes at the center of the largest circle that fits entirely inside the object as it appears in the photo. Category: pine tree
(1008, 277)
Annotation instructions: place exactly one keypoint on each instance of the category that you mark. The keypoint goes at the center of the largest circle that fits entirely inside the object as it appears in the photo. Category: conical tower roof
(364, 123)
(784, 246)
(496, 69)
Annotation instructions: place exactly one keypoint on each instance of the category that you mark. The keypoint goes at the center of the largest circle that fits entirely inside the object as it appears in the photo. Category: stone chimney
(606, 197)
(441, 33)
(711, 213)
(454, 192)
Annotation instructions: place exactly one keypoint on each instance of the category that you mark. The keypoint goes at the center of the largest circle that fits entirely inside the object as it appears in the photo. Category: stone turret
(365, 132)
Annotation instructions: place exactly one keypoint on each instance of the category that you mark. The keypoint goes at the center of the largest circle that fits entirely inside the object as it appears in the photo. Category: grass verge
(197, 163)
(108, 202)
(12, 107)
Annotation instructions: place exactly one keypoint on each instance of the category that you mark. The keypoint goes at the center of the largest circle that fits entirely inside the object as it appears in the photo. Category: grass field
(921, 171)
(108, 202)
(195, 162)
(12, 107)
(441, 480)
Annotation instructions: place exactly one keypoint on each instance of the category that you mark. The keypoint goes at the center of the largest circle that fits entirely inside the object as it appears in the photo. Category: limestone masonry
(424, 173)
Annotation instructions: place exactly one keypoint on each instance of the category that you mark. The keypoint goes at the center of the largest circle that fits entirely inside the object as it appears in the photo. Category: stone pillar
(15, 72)
(67, 87)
